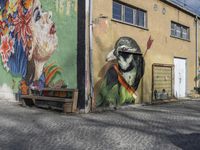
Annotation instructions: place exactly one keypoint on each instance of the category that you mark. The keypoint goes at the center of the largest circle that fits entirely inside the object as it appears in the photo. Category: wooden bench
(60, 99)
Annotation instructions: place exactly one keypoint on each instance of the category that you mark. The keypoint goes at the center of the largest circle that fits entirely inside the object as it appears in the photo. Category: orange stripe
(122, 81)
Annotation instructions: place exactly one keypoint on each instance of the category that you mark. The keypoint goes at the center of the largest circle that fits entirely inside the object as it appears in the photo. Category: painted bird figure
(122, 79)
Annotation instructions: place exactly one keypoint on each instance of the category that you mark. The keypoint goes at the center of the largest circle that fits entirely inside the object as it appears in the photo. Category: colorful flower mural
(22, 29)
(6, 49)
(28, 39)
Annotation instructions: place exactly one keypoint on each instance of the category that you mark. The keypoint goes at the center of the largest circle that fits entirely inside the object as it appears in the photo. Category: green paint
(113, 95)
(66, 54)
(121, 80)
(8, 79)
(66, 25)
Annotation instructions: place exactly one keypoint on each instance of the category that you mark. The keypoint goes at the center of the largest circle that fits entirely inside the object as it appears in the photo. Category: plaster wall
(163, 50)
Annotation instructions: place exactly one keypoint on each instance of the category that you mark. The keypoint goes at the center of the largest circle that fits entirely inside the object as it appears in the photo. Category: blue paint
(18, 61)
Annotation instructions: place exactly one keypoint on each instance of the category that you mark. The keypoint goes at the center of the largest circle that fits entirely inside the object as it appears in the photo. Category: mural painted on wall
(121, 81)
(29, 39)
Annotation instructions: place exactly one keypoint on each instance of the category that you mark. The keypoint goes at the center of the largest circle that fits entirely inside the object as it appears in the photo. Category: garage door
(162, 81)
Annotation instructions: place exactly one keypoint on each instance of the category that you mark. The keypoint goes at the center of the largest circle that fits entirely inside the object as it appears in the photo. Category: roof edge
(169, 2)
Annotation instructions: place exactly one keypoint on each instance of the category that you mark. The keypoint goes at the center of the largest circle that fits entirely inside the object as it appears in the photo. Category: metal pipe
(197, 54)
(91, 51)
(86, 51)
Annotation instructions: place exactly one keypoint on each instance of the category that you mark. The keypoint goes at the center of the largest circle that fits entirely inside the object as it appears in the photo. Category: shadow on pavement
(186, 141)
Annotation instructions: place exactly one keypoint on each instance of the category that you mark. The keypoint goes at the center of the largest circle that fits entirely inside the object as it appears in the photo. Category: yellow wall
(164, 49)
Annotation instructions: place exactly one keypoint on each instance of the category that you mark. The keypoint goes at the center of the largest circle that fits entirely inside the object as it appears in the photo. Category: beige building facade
(159, 34)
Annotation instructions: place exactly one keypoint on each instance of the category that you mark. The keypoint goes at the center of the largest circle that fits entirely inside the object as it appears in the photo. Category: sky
(192, 5)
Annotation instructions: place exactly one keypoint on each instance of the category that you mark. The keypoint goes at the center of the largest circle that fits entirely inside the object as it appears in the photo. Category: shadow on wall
(101, 75)
(6, 93)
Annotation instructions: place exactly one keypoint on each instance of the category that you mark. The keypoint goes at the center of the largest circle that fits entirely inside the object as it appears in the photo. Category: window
(129, 14)
(180, 31)
(141, 18)
(117, 11)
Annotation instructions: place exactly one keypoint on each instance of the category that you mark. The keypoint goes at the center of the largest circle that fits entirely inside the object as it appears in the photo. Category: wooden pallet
(50, 98)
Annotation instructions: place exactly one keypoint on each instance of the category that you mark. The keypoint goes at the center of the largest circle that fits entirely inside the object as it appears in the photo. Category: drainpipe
(197, 54)
(91, 52)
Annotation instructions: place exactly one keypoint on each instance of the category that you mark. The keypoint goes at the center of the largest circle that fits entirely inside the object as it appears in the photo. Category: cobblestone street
(159, 127)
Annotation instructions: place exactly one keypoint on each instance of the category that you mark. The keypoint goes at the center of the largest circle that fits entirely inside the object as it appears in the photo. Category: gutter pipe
(197, 53)
(91, 51)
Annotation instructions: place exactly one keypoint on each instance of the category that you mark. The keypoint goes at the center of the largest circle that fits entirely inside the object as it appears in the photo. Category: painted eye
(38, 16)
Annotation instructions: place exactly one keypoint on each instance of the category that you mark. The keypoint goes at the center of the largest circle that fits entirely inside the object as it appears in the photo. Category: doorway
(179, 77)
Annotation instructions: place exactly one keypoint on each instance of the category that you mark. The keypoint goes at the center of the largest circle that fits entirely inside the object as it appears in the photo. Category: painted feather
(51, 74)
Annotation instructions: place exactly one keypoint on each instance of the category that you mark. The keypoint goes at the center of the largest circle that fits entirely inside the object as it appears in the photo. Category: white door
(179, 77)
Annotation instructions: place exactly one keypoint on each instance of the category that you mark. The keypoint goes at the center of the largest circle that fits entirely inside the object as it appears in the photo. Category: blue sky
(193, 5)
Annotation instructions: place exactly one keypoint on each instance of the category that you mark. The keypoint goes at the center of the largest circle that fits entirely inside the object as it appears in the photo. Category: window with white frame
(180, 31)
(130, 15)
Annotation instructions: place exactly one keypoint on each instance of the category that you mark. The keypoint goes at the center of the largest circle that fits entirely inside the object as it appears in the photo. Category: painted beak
(111, 56)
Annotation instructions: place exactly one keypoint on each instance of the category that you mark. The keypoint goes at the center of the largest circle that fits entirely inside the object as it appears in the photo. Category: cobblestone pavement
(159, 127)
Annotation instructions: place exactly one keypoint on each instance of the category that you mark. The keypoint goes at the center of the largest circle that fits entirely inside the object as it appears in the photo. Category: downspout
(91, 52)
(197, 53)
(86, 54)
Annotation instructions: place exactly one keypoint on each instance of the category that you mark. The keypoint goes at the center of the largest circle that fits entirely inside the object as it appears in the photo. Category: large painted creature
(28, 39)
(121, 81)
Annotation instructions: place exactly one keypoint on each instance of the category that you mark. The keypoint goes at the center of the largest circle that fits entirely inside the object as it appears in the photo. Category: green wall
(64, 14)
(66, 24)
